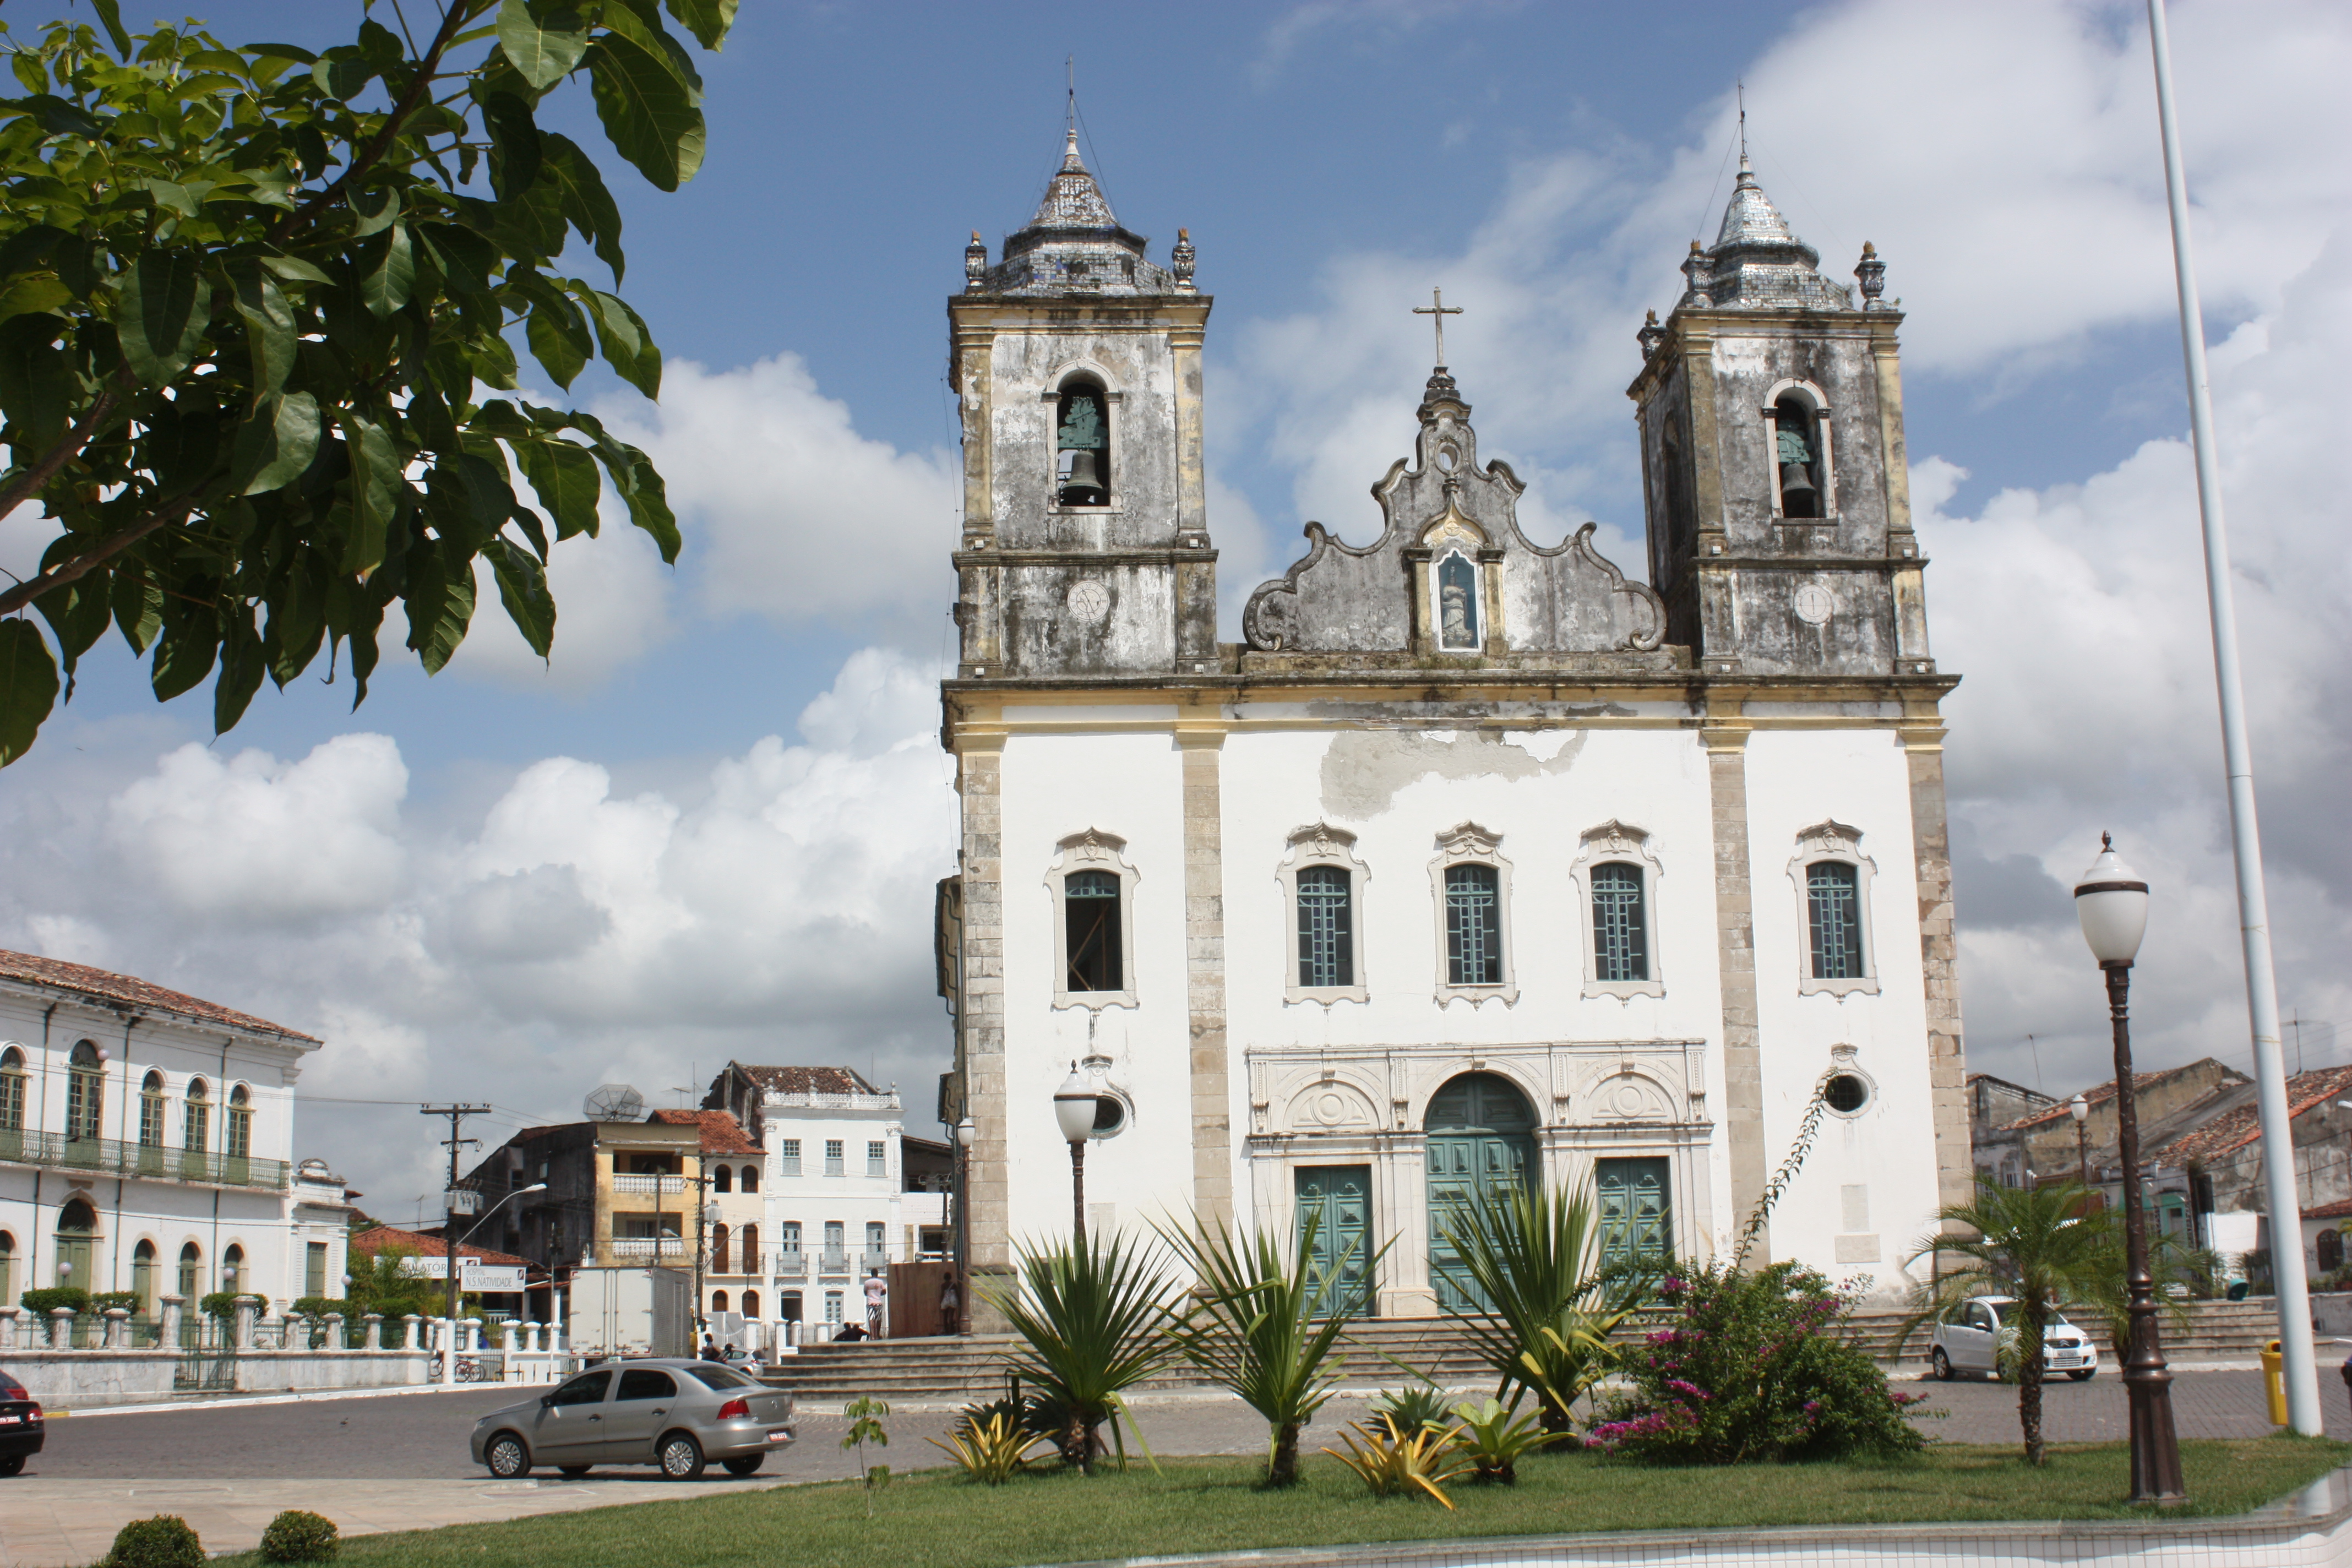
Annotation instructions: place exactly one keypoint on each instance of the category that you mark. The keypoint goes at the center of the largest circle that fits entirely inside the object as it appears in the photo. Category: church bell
(1798, 496)
(1082, 485)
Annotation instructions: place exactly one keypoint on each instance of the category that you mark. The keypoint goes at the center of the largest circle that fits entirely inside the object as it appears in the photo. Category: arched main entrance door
(1481, 1142)
(76, 1231)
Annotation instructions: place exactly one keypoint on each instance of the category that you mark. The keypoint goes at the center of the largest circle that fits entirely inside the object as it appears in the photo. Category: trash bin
(2274, 1385)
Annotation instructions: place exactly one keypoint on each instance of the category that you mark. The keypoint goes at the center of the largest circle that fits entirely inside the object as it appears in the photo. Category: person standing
(876, 1292)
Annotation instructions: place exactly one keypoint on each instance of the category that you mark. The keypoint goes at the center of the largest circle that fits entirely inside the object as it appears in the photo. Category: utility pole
(455, 1140)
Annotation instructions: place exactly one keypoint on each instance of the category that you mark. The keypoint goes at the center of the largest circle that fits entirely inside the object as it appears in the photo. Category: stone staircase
(954, 1371)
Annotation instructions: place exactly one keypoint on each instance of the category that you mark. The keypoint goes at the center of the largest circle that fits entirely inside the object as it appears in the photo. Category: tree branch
(452, 22)
(105, 550)
(28, 484)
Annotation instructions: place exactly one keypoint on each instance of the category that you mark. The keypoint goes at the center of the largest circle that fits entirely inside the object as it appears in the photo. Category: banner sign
(473, 1274)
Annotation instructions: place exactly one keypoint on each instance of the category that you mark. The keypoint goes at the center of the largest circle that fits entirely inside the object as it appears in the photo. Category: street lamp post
(963, 1136)
(1075, 1104)
(2080, 1110)
(2111, 903)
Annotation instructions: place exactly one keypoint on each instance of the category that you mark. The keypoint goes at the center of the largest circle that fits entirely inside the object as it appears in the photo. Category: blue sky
(1548, 165)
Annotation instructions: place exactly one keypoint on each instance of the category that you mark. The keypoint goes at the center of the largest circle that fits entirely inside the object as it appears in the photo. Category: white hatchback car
(1967, 1340)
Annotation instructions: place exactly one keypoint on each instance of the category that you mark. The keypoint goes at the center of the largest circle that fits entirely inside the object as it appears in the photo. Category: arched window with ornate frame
(1093, 889)
(1800, 453)
(1472, 884)
(1832, 876)
(1616, 876)
(1322, 884)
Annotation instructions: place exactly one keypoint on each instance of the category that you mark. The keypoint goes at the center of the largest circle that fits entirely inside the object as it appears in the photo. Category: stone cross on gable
(1438, 308)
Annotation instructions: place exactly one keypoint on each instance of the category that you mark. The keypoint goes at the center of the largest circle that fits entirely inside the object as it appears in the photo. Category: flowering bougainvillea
(1751, 1369)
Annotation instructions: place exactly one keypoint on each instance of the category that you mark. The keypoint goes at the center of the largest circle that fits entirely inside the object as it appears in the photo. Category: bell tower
(1076, 363)
(1770, 408)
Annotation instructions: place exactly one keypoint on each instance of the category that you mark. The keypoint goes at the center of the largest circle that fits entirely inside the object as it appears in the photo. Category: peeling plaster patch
(1543, 745)
(1364, 768)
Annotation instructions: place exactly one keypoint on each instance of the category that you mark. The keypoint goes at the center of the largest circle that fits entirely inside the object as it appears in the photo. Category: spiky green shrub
(1399, 1461)
(1088, 1318)
(1264, 1326)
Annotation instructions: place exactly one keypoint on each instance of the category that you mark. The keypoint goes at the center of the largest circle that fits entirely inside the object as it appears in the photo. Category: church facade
(1474, 861)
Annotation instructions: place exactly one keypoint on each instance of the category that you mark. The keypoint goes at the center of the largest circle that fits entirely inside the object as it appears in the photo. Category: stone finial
(975, 264)
(375, 1322)
(8, 1328)
(409, 1322)
(61, 1322)
(118, 1328)
(1651, 335)
(334, 1322)
(1873, 273)
(1180, 261)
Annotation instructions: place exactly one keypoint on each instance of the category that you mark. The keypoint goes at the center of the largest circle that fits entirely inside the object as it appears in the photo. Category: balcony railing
(832, 1260)
(873, 1257)
(640, 1246)
(791, 1263)
(107, 1156)
(656, 1185)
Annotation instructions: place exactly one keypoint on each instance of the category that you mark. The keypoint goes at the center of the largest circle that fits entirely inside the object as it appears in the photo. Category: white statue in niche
(1457, 604)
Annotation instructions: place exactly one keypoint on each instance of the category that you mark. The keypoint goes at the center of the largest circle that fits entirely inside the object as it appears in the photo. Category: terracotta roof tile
(376, 1239)
(107, 987)
(2099, 1094)
(808, 1080)
(2233, 1129)
(720, 1132)
(2340, 1209)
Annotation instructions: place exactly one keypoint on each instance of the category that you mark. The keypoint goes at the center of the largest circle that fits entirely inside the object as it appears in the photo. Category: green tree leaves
(248, 297)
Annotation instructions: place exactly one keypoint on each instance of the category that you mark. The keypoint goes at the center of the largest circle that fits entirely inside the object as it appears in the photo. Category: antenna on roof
(1070, 66)
(1742, 90)
(2037, 1065)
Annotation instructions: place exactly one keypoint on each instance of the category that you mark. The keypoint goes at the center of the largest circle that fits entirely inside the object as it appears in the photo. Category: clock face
(1089, 601)
(1813, 603)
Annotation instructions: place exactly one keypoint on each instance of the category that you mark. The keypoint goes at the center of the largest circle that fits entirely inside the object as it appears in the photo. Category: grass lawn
(933, 1518)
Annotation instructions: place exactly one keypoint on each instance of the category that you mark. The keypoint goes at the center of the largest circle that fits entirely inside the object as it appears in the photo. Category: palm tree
(1252, 1326)
(1532, 1256)
(1090, 1316)
(2168, 1263)
(2044, 1245)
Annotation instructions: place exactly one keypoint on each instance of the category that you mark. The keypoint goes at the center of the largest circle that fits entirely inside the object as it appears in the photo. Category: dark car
(670, 1412)
(21, 1431)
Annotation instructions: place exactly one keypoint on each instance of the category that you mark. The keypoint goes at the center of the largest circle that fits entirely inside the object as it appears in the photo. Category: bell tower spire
(1077, 360)
(1777, 497)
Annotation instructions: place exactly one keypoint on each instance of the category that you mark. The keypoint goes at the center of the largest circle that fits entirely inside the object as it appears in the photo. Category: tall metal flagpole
(2245, 835)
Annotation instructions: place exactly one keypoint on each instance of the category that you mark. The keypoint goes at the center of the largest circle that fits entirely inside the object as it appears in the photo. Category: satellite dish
(614, 1102)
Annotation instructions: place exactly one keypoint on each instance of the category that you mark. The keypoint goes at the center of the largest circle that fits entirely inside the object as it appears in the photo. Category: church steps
(974, 1367)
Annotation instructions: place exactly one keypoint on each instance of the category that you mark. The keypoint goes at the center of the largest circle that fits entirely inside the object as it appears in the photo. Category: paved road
(422, 1436)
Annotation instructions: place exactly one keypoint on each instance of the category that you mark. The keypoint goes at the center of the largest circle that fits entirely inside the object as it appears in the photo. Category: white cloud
(267, 840)
(789, 510)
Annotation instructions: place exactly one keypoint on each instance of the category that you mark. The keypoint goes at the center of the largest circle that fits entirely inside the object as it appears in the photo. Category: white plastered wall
(1856, 777)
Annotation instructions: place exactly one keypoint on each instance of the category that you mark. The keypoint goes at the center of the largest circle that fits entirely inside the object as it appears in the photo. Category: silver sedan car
(677, 1414)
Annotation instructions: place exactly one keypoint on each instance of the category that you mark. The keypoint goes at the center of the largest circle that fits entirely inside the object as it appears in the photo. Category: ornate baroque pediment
(1377, 599)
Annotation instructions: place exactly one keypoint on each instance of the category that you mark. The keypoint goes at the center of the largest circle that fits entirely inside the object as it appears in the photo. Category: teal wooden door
(1340, 1200)
(1636, 1210)
(1480, 1143)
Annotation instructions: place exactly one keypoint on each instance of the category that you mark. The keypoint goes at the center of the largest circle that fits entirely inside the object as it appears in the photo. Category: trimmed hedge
(41, 1303)
(162, 1541)
(297, 1536)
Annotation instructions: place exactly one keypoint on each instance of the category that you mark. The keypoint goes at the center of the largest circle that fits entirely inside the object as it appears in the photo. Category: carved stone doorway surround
(1366, 1105)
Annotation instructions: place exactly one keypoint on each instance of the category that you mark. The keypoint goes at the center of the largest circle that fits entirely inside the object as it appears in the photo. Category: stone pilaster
(1204, 970)
(1948, 1067)
(1735, 926)
(979, 760)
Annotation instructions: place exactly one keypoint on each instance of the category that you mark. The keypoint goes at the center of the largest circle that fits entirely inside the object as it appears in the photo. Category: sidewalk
(66, 1523)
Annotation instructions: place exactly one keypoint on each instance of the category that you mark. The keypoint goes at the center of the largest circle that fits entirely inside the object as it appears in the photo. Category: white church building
(1476, 861)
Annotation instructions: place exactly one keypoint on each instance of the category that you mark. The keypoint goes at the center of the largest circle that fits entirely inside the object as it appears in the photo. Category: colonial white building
(1474, 860)
(146, 1144)
(834, 1186)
